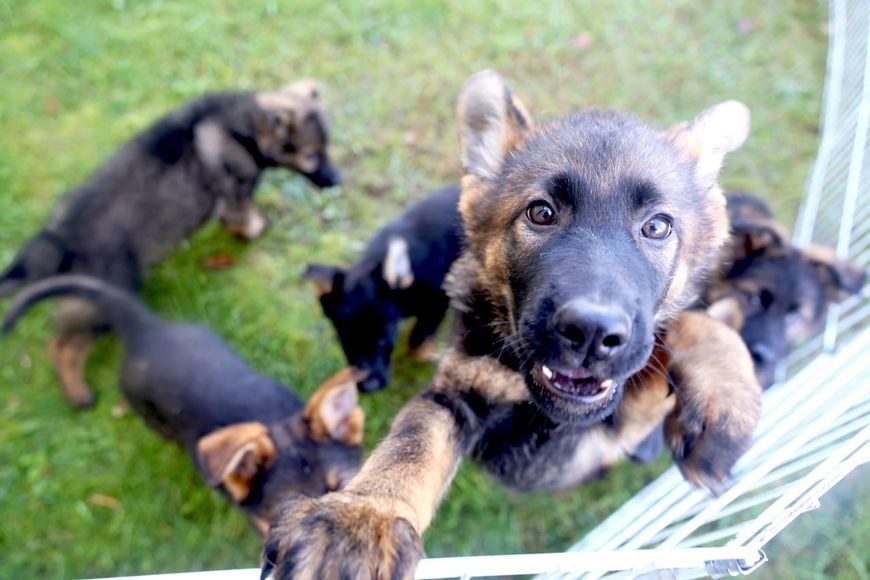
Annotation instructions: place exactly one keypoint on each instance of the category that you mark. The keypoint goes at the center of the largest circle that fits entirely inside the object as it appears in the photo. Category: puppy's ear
(839, 278)
(281, 112)
(397, 270)
(492, 122)
(753, 240)
(333, 413)
(326, 278)
(233, 456)
(308, 89)
(746, 207)
(713, 134)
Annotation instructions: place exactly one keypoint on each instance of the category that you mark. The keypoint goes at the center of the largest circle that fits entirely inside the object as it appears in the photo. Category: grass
(80, 78)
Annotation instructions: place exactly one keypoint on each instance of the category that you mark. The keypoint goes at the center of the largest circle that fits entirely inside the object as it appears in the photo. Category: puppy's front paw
(707, 435)
(246, 222)
(426, 352)
(718, 399)
(341, 536)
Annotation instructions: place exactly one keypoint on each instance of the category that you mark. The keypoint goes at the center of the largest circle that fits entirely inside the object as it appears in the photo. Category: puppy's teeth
(547, 372)
(607, 384)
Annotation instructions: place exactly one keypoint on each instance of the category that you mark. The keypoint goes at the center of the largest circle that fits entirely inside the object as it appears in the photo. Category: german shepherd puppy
(586, 238)
(247, 434)
(400, 274)
(771, 292)
(199, 161)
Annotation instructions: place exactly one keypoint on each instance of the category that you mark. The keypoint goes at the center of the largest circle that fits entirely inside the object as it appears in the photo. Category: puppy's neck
(483, 313)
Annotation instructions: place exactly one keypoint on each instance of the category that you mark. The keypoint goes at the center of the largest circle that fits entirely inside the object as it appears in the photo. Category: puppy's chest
(526, 451)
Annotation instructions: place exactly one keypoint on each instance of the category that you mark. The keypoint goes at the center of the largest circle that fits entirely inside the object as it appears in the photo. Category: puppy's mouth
(577, 384)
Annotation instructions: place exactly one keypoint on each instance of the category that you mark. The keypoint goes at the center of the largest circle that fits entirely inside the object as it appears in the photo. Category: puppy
(248, 434)
(199, 161)
(771, 292)
(586, 238)
(400, 274)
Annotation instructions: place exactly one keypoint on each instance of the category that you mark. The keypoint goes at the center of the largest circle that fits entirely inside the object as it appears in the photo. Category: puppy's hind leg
(421, 342)
(77, 326)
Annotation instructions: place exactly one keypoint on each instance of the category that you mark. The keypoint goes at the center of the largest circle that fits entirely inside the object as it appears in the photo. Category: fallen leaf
(217, 261)
(50, 105)
(104, 500)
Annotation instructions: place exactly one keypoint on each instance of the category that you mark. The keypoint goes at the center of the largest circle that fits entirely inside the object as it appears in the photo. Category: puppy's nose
(761, 353)
(600, 330)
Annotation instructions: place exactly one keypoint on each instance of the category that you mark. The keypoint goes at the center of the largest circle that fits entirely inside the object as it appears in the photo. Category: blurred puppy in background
(249, 435)
(773, 293)
(200, 161)
(399, 275)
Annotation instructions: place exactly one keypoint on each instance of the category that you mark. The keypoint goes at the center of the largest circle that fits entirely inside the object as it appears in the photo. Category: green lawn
(78, 78)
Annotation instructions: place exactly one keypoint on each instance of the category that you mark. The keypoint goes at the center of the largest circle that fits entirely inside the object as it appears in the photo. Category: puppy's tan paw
(426, 352)
(340, 536)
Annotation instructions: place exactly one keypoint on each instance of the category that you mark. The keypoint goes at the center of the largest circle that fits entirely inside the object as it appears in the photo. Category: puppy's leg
(718, 398)
(232, 176)
(371, 529)
(421, 340)
(77, 325)
(244, 219)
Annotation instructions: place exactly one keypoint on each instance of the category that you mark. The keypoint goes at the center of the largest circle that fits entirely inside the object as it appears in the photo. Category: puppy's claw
(706, 453)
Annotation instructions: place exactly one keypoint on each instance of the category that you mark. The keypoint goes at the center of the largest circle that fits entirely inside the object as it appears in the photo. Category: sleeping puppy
(197, 162)
(399, 275)
(773, 293)
(247, 434)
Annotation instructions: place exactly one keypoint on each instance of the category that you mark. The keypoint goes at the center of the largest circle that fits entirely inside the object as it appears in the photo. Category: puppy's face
(260, 466)
(776, 295)
(590, 231)
(293, 132)
(365, 320)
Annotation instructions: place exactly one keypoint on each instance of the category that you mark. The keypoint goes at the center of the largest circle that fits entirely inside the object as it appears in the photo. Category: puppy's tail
(121, 309)
(9, 283)
(44, 255)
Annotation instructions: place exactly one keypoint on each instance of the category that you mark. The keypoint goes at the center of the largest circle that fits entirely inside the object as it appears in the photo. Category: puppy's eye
(763, 298)
(541, 213)
(657, 227)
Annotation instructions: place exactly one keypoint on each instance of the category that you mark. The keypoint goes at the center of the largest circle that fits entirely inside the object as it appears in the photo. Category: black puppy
(197, 162)
(247, 433)
(773, 293)
(399, 275)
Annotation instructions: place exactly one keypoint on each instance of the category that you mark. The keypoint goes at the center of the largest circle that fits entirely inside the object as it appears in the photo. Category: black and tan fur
(249, 435)
(400, 274)
(200, 161)
(775, 294)
(581, 297)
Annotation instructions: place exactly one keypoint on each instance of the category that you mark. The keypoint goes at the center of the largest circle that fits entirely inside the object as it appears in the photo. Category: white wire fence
(815, 425)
